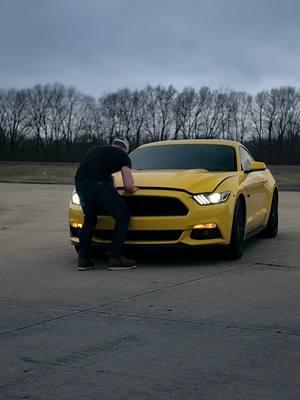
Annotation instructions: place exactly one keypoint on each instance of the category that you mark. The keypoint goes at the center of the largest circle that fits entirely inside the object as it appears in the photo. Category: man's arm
(128, 179)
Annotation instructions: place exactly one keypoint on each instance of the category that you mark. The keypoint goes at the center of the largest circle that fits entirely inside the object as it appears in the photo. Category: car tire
(235, 248)
(272, 226)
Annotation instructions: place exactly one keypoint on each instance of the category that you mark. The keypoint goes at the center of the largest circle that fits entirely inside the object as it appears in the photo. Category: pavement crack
(206, 276)
(205, 324)
(43, 306)
(77, 312)
(21, 328)
(275, 265)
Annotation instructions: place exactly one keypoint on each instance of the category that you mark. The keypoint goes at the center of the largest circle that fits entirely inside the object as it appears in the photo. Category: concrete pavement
(180, 327)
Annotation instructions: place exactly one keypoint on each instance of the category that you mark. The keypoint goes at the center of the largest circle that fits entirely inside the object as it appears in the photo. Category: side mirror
(257, 166)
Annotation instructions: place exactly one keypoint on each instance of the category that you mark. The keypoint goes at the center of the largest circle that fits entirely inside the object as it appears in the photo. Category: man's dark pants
(96, 197)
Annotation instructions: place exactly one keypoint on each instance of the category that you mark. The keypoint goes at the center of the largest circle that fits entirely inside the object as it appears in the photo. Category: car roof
(223, 142)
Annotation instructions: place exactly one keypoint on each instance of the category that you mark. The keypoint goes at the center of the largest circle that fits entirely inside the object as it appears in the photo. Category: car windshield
(185, 156)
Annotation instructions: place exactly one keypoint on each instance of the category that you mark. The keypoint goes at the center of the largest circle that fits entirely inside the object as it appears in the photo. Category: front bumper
(165, 230)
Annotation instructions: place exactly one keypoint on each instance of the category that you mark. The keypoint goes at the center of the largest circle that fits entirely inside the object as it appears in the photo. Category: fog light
(76, 225)
(205, 226)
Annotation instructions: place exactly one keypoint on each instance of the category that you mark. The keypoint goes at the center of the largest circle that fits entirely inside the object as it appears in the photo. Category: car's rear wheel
(235, 248)
(272, 226)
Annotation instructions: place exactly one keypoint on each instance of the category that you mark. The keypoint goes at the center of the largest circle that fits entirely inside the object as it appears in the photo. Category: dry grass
(288, 177)
(39, 173)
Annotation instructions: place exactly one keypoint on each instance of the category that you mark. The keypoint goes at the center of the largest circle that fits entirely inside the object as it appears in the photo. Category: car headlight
(205, 199)
(75, 199)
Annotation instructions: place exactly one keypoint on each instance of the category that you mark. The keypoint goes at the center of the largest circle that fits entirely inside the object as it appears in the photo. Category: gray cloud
(99, 45)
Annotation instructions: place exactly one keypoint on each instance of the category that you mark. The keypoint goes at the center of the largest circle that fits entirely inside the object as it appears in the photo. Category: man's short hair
(122, 142)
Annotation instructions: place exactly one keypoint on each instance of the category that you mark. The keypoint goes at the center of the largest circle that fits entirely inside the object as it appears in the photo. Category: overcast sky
(99, 46)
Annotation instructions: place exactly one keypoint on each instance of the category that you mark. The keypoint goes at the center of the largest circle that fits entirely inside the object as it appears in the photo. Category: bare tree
(54, 118)
(14, 117)
(189, 106)
(3, 126)
(37, 107)
(158, 111)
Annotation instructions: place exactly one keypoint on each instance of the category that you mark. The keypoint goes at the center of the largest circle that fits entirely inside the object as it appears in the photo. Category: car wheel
(272, 226)
(235, 248)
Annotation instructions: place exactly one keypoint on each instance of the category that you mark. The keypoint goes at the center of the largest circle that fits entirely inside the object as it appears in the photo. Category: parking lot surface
(182, 326)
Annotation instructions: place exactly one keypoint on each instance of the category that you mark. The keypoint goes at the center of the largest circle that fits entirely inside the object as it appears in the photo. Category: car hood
(193, 181)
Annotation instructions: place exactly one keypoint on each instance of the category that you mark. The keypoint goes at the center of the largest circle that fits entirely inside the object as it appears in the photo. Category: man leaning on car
(95, 187)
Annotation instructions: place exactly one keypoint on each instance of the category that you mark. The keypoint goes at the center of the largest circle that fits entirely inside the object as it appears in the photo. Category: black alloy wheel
(235, 248)
(272, 226)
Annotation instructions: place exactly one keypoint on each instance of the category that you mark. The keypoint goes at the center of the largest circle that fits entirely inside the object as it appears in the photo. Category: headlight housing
(75, 199)
(206, 199)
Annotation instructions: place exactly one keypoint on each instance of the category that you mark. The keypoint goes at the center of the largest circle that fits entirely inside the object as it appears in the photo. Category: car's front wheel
(235, 248)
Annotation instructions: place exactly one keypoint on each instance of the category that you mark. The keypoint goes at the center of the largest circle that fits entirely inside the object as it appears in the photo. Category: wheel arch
(235, 248)
(275, 191)
(239, 197)
(242, 198)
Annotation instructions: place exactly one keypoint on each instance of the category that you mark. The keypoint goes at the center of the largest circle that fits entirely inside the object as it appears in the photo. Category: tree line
(58, 123)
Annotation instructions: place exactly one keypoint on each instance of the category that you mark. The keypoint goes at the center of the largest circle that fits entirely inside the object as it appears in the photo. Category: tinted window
(185, 156)
(246, 159)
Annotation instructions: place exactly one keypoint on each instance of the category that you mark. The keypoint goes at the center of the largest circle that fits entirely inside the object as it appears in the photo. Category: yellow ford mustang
(193, 193)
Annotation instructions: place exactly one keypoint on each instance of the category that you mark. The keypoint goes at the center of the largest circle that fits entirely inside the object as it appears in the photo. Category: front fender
(233, 185)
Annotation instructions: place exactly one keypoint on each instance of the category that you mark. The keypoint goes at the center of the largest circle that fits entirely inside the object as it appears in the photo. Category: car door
(254, 186)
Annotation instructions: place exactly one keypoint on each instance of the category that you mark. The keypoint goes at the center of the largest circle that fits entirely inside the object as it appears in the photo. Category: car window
(246, 159)
(210, 157)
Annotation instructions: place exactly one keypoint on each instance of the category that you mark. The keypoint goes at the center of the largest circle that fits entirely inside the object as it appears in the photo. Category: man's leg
(122, 218)
(114, 205)
(86, 233)
(111, 202)
(85, 237)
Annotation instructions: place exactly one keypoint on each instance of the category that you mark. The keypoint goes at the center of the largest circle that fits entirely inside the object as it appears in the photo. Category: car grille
(136, 236)
(142, 236)
(154, 206)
